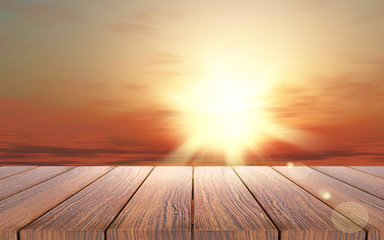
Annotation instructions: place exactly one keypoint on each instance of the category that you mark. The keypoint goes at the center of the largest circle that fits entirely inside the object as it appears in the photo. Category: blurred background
(177, 82)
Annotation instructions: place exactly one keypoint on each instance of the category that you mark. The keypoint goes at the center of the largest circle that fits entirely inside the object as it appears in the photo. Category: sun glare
(224, 113)
(222, 116)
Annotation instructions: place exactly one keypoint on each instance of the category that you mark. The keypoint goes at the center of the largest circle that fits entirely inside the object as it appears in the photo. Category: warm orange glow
(226, 112)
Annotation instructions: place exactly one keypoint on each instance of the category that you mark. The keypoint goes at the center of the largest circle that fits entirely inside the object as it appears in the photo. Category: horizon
(181, 83)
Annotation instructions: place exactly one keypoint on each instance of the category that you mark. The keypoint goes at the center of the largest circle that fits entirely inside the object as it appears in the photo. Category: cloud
(369, 60)
(70, 126)
(277, 152)
(333, 99)
(136, 87)
(165, 58)
(368, 15)
(131, 28)
(135, 24)
(344, 113)
(45, 10)
(345, 110)
(66, 151)
(144, 22)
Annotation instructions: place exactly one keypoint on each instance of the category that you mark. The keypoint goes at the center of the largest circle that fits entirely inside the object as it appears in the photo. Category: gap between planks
(105, 232)
(192, 203)
(340, 192)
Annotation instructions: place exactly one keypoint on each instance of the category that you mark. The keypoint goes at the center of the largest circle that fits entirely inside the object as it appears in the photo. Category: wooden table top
(114, 203)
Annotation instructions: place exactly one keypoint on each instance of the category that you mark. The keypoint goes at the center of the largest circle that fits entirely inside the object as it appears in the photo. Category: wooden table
(191, 203)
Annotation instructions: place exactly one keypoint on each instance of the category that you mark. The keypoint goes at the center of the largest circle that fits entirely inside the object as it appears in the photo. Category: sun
(222, 116)
(223, 113)
(226, 111)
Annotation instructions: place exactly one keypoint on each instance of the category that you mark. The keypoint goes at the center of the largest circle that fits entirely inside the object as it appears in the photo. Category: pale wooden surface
(334, 192)
(160, 209)
(9, 171)
(361, 180)
(374, 170)
(116, 203)
(224, 208)
(24, 180)
(296, 213)
(81, 217)
(21, 209)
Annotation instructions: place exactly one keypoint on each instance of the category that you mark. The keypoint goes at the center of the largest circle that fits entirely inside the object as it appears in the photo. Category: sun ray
(225, 112)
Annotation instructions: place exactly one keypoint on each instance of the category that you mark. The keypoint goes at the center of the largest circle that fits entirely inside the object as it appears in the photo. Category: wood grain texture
(98, 203)
(19, 182)
(374, 170)
(225, 209)
(10, 171)
(296, 213)
(334, 192)
(364, 181)
(160, 209)
(20, 209)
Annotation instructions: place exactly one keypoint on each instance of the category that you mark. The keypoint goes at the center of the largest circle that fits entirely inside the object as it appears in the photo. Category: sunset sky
(182, 82)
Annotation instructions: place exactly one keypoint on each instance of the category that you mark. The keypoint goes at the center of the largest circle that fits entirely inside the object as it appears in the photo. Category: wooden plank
(364, 181)
(339, 195)
(19, 182)
(296, 213)
(374, 170)
(99, 203)
(20, 209)
(10, 171)
(225, 209)
(160, 209)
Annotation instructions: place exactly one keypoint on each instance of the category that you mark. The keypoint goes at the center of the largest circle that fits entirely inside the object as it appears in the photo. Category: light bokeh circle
(298, 175)
(354, 212)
